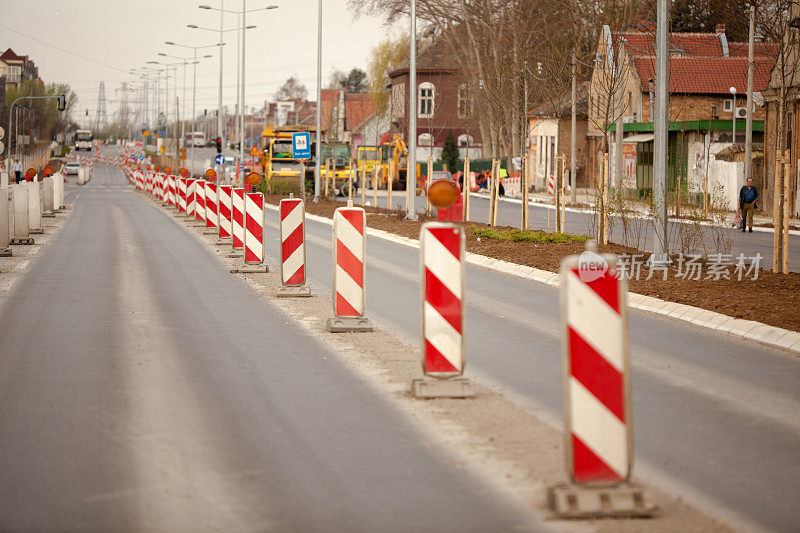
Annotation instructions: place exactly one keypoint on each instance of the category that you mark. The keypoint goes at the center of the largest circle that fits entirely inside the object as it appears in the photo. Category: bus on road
(84, 140)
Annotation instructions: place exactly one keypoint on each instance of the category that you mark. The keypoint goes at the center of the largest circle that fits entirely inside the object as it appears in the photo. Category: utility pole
(411, 173)
(748, 137)
(661, 108)
(244, 106)
(524, 151)
(318, 155)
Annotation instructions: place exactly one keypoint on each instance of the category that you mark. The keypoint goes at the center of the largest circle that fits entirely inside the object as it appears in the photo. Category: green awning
(690, 125)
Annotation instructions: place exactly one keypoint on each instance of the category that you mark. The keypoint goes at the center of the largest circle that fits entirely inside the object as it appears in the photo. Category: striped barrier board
(191, 204)
(597, 412)
(253, 234)
(292, 213)
(442, 296)
(211, 206)
(224, 206)
(200, 200)
(237, 218)
(181, 182)
(349, 250)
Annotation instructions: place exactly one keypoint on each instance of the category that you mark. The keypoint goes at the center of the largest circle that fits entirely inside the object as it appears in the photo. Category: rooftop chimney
(720, 28)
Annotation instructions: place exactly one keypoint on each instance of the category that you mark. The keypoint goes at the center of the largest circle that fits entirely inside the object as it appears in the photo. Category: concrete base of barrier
(36, 231)
(251, 269)
(442, 388)
(235, 253)
(6, 253)
(358, 324)
(49, 214)
(223, 242)
(303, 291)
(623, 500)
(211, 231)
(22, 241)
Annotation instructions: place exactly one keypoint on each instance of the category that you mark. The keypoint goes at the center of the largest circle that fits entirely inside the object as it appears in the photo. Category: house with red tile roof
(703, 69)
(17, 68)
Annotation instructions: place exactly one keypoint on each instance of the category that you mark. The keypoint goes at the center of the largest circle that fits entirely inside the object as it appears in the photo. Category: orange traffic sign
(254, 178)
(183, 157)
(443, 193)
(254, 151)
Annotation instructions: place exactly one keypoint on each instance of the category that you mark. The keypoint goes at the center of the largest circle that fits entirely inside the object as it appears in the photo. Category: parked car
(71, 168)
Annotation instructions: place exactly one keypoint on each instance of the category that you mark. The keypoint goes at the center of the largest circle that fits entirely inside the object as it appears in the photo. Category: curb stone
(772, 336)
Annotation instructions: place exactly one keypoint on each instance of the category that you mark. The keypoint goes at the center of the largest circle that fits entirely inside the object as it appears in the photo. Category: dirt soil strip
(11, 268)
(771, 299)
(499, 441)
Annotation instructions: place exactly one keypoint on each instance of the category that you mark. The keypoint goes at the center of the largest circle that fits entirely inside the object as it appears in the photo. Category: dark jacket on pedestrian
(747, 195)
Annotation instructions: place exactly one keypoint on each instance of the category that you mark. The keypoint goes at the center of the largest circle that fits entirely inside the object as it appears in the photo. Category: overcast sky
(116, 36)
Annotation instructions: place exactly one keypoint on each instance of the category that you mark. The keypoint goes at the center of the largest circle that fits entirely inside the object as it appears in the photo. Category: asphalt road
(716, 419)
(143, 387)
(639, 233)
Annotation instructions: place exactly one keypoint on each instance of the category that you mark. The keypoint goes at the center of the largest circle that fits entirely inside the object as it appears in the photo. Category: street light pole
(733, 113)
(220, 133)
(194, 100)
(242, 114)
(319, 104)
(411, 172)
(661, 108)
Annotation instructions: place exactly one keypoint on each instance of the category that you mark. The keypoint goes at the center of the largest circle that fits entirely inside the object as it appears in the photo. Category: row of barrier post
(596, 359)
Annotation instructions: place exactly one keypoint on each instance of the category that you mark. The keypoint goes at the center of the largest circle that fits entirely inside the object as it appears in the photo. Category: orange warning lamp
(48, 171)
(167, 170)
(155, 168)
(254, 178)
(30, 173)
(211, 174)
(443, 193)
(184, 172)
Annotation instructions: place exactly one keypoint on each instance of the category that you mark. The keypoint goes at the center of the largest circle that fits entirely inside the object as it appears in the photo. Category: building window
(425, 139)
(464, 101)
(727, 106)
(465, 139)
(426, 98)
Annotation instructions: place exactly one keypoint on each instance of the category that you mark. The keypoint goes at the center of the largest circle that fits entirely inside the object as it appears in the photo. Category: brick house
(443, 104)
(343, 113)
(550, 134)
(791, 125)
(702, 69)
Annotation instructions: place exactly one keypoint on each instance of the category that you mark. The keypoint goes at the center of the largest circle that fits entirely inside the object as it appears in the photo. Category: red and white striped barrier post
(349, 251)
(442, 288)
(191, 204)
(253, 234)
(211, 208)
(172, 199)
(293, 248)
(224, 212)
(597, 411)
(200, 202)
(237, 222)
(181, 195)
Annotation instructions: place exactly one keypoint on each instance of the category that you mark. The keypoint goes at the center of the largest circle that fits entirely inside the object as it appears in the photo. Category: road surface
(143, 387)
(715, 417)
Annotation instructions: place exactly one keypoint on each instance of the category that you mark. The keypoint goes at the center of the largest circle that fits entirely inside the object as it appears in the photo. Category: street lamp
(243, 26)
(194, 83)
(411, 172)
(220, 132)
(733, 92)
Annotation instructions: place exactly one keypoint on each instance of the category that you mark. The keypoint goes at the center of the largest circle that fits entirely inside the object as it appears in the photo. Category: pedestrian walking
(747, 204)
(18, 170)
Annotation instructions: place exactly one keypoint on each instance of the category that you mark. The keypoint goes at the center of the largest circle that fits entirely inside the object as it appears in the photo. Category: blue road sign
(219, 159)
(301, 145)
(141, 158)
